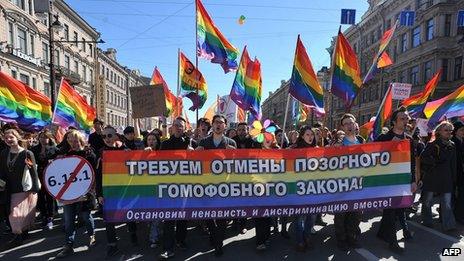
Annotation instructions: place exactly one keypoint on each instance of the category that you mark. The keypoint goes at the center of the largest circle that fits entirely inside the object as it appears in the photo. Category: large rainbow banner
(215, 184)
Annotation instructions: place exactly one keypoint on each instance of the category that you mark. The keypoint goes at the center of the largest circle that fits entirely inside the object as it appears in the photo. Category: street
(427, 244)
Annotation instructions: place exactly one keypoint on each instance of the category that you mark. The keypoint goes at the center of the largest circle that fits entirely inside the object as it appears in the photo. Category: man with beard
(217, 140)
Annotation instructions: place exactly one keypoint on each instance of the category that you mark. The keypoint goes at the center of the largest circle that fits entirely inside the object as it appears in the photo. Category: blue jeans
(303, 225)
(446, 213)
(70, 212)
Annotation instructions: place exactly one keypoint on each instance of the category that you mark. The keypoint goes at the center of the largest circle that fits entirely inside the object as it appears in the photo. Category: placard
(148, 101)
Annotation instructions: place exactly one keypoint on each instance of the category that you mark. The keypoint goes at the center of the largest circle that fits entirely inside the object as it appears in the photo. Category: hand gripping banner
(228, 184)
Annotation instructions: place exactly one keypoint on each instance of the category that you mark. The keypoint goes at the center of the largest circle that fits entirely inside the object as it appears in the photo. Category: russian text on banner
(143, 186)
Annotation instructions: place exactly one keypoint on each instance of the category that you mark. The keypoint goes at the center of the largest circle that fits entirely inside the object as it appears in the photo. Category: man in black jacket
(387, 229)
(177, 141)
(95, 139)
(217, 140)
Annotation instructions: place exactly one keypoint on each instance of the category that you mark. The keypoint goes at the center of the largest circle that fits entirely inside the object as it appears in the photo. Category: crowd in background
(436, 167)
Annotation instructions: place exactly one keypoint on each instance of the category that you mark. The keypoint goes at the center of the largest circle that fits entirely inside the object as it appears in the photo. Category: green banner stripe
(152, 190)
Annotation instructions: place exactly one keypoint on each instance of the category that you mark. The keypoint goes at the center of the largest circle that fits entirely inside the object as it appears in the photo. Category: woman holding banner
(304, 223)
(19, 179)
(84, 205)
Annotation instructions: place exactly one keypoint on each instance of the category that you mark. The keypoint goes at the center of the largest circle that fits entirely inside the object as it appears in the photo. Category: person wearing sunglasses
(111, 139)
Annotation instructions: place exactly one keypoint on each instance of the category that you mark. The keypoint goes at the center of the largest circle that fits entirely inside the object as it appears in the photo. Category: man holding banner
(217, 140)
(387, 230)
(178, 141)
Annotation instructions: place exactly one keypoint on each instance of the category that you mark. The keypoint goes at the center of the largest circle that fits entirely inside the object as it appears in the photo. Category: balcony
(72, 77)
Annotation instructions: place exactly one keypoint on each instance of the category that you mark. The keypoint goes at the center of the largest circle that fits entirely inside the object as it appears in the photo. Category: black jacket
(43, 159)
(459, 161)
(438, 163)
(96, 142)
(13, 177)
(174, 143)
(246, 143)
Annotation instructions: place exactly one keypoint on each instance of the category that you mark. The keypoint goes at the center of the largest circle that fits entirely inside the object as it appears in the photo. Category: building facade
(25, 49)
(418, 52)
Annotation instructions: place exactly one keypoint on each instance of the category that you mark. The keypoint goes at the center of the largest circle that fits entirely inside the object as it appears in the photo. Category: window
(429, 34)
(427, 71)
(24, 78)
(107, 73)
(107, 96)
(14, 73)
(404, 43)
(30, 4)
(91, 75)
(84, 73)
(103, 70)
(66, 62)
(416, 37)
(11, 34)
(76, 66)
(403, 76)
(447, 29)
(32, 45)
(414, 75)
(20, 3)
(57, 58)
(91, 50)
(66, 32)
(379, 33)
(22, 40)
(444, 66)
(34, 83)
(372, 37)
(84, 45)
(47, 88)
(75, 38)
(458, 68)
(45, 53)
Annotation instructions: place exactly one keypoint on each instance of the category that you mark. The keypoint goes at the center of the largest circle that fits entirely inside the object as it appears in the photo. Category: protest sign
(143, 186)
(148, 101)
(68, 178)
(401, 91)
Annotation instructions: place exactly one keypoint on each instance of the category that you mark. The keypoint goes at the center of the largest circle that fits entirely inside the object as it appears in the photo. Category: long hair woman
(18, 171)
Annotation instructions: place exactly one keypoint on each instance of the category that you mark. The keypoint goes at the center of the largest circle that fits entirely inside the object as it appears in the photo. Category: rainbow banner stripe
(449, 106)
(384, 112)
(211, 44)
(304, 85)
(179, 184)
(23, 105)
(346, 76)
(172, 102)
(192, 83)
(247, 87)
(416, 104)
(72, 109)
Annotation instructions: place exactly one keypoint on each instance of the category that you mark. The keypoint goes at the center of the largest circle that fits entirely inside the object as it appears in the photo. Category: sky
(148, 33)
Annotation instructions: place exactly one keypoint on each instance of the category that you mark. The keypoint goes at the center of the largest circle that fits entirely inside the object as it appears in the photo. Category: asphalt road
(426, 245)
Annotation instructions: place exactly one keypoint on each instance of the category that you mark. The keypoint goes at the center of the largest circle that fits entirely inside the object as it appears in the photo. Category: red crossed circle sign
(68, 178)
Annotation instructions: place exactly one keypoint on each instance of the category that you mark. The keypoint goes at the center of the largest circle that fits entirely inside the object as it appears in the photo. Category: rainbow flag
(386, 38)
(383, 113)
(192, 83)
(449, 106)
(23, 105)
(247, 87)
(384, 60)
(416, 104)
(171, 99)
(366, 129)
(346, 79)
(304, 85)
(72, 109)
(211, 44)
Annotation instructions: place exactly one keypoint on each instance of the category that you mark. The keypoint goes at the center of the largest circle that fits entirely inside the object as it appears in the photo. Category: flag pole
(196, 51)
(56, 100)
(285, 122)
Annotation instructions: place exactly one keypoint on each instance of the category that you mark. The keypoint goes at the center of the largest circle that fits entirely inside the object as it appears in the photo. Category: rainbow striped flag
(416, 104)
(449, 106)
(384, 60)
(211, 44)
(72, 109)
(23, 105)
(247, 87)
(383, 113)
(192, 83)
(171, 100)
(366, 129)
(346, 76)
(304, 85)
(386, 38)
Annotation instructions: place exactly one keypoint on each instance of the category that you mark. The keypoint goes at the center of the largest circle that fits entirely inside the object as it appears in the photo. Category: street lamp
(56, 25)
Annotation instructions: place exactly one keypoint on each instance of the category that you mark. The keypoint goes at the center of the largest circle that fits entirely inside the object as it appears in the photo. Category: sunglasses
(109, 136)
